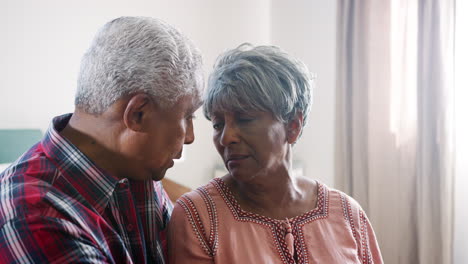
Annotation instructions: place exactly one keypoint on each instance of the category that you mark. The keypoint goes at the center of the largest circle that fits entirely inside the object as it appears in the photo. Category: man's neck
(95, 137)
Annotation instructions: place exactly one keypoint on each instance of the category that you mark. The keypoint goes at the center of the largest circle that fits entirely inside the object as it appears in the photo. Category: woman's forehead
(243, 112)
(218, 109)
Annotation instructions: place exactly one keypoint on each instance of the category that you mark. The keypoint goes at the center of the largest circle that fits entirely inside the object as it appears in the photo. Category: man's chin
(159, 174)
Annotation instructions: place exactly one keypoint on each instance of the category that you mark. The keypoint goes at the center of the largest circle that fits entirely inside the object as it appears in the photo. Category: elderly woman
(258, 100)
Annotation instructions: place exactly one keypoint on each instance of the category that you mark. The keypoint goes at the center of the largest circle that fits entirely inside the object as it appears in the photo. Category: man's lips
(178, 155)
(175, 158)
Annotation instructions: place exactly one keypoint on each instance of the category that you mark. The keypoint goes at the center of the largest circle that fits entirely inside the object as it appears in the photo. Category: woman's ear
(137, 111)
(294, 127)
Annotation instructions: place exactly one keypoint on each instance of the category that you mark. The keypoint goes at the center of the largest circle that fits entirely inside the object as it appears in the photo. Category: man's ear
(294, 128)
(137, 110)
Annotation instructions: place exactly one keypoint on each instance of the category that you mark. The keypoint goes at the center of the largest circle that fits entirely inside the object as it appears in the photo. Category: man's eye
(191, 117)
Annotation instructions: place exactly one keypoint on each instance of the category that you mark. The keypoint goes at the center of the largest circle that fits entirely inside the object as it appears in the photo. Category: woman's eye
(217, 126)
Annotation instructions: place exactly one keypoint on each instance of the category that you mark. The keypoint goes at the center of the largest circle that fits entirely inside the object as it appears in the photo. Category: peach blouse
(208, 226)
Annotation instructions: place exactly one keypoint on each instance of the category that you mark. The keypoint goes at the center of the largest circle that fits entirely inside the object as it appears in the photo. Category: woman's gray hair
(261, 78)
(138, 55)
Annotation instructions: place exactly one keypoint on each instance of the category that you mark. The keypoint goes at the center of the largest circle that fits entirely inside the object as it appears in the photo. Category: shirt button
(123, 184)
(130, 228)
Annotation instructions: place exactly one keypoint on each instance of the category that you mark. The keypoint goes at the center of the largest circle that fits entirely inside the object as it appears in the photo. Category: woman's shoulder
(198, 210)
(339, 196)
(199, 196)
(351, 208)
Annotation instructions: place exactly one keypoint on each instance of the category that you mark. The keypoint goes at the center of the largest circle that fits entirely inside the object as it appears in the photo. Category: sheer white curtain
(395, 122)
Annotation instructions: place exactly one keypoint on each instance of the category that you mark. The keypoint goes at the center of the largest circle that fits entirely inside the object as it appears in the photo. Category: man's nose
(189, 134)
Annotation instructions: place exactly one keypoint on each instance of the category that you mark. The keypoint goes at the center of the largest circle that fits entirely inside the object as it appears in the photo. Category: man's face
(165, 133)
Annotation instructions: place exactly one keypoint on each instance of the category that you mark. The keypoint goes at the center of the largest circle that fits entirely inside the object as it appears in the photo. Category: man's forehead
(194, 100)
(197, 102)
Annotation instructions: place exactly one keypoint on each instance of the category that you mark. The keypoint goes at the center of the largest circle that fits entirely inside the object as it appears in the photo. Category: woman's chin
(240, 175)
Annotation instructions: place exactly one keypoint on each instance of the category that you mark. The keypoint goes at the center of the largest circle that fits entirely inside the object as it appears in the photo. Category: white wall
(307, 29)
(460, 250)
(461, 140)
(43, 41)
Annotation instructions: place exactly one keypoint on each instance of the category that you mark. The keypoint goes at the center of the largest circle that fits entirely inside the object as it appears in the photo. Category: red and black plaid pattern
(57, 206)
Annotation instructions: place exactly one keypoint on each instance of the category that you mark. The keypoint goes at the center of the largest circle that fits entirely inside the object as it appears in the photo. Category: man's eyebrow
(191, 111)
(197, 104)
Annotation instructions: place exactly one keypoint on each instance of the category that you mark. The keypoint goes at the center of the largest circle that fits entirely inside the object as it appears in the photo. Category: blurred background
(388, 124)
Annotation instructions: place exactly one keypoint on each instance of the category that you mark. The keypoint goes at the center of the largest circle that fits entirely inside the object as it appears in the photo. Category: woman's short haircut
(132, 55)
(261, 78)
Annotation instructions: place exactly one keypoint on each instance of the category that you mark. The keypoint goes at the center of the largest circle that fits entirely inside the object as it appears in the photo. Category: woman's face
(251, 143)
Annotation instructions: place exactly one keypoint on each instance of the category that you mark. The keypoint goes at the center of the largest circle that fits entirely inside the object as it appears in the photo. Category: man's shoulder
(33, 167)
(24, 186)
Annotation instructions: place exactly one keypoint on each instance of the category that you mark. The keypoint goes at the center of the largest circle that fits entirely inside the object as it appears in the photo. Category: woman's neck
(276, 195)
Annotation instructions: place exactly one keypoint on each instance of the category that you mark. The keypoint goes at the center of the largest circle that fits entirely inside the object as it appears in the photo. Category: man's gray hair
(261, 78)
(132, 55)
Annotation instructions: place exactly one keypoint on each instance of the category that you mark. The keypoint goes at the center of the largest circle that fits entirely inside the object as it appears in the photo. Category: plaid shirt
(57, 206)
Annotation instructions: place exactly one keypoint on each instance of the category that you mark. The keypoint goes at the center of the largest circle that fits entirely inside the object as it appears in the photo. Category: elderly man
(89, 191)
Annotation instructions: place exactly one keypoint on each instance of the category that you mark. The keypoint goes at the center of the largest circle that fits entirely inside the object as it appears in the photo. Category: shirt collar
(92, 182)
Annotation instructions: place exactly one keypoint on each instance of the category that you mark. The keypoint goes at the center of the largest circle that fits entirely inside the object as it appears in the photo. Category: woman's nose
(229, 135)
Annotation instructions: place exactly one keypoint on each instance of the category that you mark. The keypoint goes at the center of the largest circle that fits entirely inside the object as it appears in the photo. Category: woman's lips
(234, 160)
